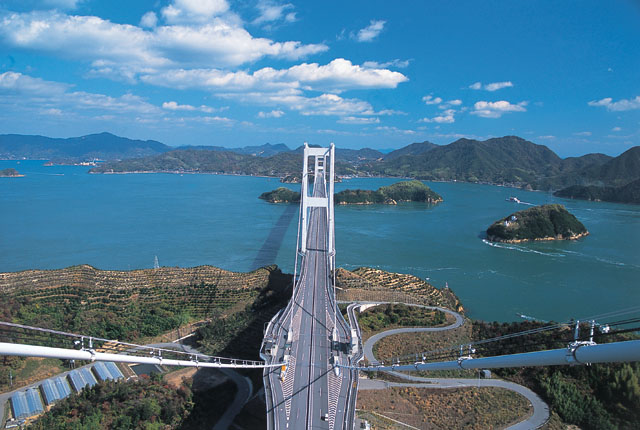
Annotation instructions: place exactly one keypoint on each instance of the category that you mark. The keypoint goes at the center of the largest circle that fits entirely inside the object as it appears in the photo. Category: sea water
(60, 216)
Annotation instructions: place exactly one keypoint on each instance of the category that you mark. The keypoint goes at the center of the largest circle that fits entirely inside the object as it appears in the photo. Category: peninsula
(629, 193)
(10, 173)
(406, 191)
(547, 222)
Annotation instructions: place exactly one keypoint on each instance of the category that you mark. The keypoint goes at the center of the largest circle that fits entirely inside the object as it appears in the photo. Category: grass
(409, 343)
(29, 370)
(467, 408)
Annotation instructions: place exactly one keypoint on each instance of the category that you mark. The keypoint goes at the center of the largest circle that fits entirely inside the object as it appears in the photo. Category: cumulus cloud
(359, 120)
(272, 114)
(494, 86)
(620, 105)
(447, 117)
(271, 11)
(496, 109)
(117, 50)
(149, 20)
(339, 75)
(430, 100)
(370, 32)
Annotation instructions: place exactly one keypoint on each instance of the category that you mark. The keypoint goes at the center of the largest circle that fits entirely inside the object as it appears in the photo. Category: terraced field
(367, 284)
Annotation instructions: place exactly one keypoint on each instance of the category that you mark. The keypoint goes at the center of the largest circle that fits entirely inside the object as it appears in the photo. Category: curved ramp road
(540, 409)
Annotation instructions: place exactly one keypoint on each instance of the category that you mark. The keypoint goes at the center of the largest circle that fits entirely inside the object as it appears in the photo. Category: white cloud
(359, 120)
(272, 114)
(430, 100)
(52, 112)
(17, 83)
(149, 20)
(496, 109)
(123, 51)
(29, 92)
(448, 104)
(271, 11)
(175, 106)
(401, 64)
(547, 137)
(621, 105)
(339, 75)
(494, 86)
(498, 86)
(582, 133)
(199, 11)
(370, 32)
(447, 117)
(616, 129)
(395, 130)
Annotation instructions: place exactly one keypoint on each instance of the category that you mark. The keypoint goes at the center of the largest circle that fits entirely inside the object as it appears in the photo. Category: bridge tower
(323, 165)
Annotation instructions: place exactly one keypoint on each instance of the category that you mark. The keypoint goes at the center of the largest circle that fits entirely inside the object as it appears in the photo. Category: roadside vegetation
(600, 396)
(466, 408)
(390, 316)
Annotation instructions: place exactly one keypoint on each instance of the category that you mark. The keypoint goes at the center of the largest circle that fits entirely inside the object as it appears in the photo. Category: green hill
(547, 222)
(629, 193)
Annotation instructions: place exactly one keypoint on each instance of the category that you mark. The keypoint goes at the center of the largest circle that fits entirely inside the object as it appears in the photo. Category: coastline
(537, 239)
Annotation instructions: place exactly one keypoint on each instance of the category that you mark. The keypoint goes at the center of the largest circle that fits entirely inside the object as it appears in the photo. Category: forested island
(10, 173)
(406, 191)
(547, 222)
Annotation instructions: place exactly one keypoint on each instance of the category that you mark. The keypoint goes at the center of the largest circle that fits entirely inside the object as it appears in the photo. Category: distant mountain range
(508, 160)
(104, 146)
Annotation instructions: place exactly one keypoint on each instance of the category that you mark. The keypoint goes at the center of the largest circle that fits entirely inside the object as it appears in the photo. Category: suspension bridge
(310, 355)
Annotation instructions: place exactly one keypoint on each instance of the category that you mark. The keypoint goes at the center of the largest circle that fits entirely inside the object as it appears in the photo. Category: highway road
(311, 393)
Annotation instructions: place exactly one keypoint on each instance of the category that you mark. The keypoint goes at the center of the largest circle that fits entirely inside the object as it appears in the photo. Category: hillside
(103, 146)
(222, 162)
(265, 150)
(629, 193)
(547, 222)
(501, 160)
(412, 149)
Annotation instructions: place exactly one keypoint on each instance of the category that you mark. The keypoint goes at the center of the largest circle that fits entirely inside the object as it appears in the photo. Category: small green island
(10, 173)
(406, 191)
(546, 222)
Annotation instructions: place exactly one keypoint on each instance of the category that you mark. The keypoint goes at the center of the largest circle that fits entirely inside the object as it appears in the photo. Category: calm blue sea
(60, 216)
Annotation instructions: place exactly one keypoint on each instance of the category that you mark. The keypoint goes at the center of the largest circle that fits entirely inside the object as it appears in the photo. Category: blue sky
(375, 74)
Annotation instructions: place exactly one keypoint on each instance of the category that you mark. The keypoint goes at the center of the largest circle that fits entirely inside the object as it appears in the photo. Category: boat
(513, 199)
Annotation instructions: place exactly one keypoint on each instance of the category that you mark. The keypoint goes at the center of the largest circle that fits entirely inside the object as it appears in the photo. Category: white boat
(513, 199)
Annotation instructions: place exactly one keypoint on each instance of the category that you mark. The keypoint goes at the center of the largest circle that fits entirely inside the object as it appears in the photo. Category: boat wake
(519, 248)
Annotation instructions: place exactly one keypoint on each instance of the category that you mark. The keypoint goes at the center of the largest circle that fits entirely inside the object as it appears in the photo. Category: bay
(60, 216)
